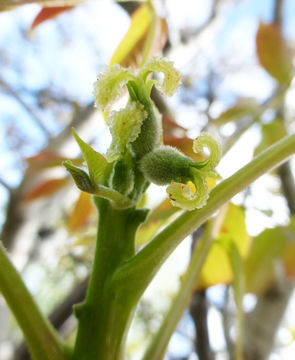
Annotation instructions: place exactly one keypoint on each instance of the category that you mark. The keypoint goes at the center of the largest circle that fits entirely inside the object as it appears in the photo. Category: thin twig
(8, 89)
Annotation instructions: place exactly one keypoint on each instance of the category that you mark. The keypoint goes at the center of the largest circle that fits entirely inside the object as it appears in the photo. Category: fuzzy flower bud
(166, 164)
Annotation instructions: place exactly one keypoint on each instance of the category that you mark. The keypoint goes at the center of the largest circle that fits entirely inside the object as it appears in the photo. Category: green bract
(109, 85)
(185, 197)
(172, 77)
(125, 126)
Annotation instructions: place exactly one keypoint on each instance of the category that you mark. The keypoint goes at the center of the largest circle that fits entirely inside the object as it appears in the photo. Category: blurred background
(235, 57)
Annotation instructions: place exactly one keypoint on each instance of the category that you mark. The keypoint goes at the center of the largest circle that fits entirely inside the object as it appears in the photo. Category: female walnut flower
(135, 127)
(188, 188)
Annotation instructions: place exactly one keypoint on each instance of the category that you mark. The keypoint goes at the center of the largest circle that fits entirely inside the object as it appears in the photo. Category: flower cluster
(136, 155)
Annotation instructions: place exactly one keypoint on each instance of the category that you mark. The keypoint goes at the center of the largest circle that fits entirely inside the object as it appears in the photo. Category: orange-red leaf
(81, 212)
(48, 13)
(46, 188)
(273, 53)
(48, 159)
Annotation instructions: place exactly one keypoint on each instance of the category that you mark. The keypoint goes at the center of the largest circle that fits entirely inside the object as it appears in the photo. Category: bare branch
(8, 89)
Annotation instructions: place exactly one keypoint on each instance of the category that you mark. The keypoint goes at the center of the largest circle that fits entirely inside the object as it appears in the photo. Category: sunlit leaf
(46, 188)
(243, 107)
(128, 47)
(273, 53)
(47, 14)
(217, 268)
(129, 51)
(81, 212)
(270, 134)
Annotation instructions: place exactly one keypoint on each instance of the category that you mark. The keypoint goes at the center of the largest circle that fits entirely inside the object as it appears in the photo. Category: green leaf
(96, 162)
(273, 53)
(243, 107)
(271, 133)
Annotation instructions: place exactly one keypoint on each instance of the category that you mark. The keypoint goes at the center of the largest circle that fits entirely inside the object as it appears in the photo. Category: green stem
(119, 201)
(140, 270)
(157, 347)
(104, 317)
(40, 336)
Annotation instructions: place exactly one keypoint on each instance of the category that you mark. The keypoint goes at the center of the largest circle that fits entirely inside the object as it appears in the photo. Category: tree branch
(38, 122)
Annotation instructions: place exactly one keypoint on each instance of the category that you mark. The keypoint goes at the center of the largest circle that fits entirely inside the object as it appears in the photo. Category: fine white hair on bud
(125, 126)
(172, 77)
(166, 164)
(109, 84)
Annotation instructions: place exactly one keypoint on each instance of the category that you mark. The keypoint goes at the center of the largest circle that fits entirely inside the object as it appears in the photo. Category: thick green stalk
(140, 270)
(103, 318)
(157, 347)
(41, 338)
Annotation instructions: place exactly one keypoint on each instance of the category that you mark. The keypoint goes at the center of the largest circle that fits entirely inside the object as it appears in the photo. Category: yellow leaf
(217, 268)
(81, 212)
(273, 53)
(140, 21)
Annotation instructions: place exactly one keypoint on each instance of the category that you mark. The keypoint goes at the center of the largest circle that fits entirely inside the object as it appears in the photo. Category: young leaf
(96, 162)
(80, 177)
(273, 53)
